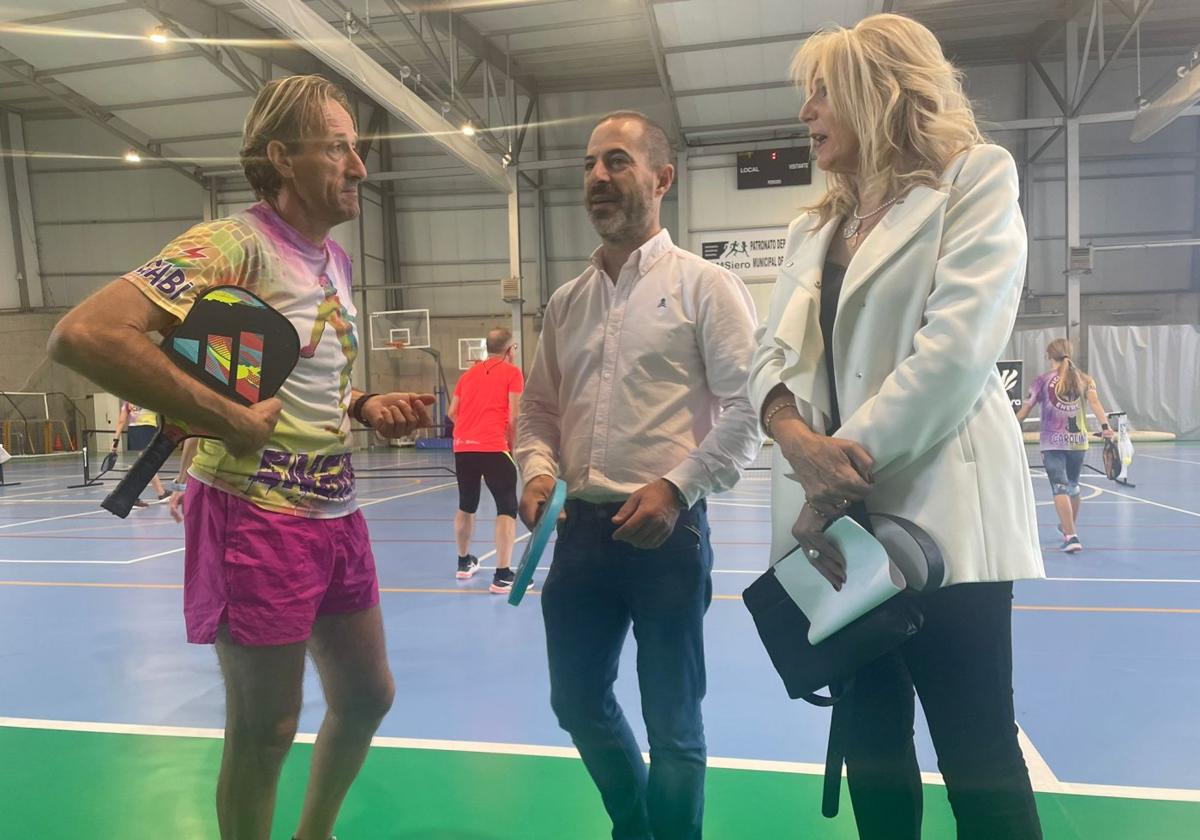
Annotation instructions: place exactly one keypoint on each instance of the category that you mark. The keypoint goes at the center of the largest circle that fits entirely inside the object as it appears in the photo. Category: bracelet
(178, 486)
(356, 409)
(771, 414)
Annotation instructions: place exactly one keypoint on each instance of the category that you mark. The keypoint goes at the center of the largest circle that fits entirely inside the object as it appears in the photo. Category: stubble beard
(625, 223)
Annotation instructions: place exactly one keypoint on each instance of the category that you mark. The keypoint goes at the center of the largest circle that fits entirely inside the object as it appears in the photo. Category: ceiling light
(132, 156)
(159, 35)
(468, 130)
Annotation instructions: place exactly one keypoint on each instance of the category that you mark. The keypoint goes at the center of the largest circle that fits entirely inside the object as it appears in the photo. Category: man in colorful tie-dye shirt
(277, 556)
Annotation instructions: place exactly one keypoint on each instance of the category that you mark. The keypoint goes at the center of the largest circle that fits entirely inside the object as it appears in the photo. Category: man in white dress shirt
(637, 398)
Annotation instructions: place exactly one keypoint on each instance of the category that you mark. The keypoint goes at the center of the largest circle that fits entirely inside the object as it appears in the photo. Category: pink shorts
(269, 575)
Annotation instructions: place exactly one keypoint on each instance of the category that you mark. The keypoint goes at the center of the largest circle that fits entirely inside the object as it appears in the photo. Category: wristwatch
(178, 486)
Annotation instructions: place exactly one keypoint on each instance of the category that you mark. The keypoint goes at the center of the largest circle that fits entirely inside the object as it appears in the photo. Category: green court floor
(60, 785)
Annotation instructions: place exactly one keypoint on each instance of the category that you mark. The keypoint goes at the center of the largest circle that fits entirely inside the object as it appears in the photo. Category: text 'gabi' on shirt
(305, 468)
(641, 379)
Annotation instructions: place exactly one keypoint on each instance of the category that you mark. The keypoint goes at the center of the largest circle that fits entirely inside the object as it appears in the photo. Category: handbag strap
(835, 757)
(933, 554)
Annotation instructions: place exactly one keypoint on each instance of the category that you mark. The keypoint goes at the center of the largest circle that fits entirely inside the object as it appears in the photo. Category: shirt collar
(267, 214)
(645, 256)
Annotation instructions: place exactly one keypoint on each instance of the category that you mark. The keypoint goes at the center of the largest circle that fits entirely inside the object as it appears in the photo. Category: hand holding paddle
(547, 509)
(241, 349)
(537, 492)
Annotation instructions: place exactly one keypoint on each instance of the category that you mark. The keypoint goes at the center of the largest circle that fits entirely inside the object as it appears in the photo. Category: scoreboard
(773, 168)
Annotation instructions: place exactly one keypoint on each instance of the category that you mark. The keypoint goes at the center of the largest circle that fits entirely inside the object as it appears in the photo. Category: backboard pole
(514, 262)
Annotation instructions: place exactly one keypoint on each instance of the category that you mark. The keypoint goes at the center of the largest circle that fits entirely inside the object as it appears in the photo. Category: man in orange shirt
(484, 411)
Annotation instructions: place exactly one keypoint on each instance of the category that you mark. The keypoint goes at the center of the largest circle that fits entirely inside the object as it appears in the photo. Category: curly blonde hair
(887, 80)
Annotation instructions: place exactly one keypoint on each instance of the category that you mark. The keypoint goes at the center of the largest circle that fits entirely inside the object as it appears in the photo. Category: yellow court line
(447, 591)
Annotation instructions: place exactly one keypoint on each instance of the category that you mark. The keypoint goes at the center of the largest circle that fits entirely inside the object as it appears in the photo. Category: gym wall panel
(69, 196)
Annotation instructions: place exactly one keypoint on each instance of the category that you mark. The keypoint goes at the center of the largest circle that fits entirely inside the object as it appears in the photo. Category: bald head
(498, 340)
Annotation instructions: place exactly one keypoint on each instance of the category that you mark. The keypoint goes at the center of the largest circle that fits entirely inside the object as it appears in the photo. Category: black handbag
(806, 668)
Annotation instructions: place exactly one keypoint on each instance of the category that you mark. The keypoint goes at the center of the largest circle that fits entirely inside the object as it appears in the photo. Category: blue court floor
(1107, 651)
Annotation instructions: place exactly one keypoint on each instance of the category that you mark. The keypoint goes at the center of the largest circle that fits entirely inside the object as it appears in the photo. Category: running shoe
(502, 582)
(1071, 545)
(467, 567)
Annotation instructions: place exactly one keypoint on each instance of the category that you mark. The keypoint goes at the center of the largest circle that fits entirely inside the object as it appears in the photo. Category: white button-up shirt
(641, 379)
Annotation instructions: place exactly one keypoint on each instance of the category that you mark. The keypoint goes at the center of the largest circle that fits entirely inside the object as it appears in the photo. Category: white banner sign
(747, 253)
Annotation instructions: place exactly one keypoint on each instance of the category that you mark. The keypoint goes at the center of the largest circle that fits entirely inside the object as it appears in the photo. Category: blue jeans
(1062, 468)
(596, 589)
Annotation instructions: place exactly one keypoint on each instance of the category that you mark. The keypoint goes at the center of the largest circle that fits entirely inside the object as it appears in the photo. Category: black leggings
(961, 666)
(496, 468)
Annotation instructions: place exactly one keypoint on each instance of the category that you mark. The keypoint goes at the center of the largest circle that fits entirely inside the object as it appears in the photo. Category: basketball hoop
(397, 345)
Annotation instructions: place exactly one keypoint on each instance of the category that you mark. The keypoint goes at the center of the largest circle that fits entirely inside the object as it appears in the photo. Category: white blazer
(926, 307)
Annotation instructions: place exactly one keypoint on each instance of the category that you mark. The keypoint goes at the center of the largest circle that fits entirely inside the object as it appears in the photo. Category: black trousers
(961, 666)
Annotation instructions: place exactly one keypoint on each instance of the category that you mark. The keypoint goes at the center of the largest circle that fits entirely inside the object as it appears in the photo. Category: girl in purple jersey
(1060, 392)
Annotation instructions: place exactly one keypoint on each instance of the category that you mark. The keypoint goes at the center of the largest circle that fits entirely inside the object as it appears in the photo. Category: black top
(831, 289)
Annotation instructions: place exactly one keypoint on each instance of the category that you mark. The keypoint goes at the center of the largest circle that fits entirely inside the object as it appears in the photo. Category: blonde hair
(289, 110)
(888, 82)
(1072, 382)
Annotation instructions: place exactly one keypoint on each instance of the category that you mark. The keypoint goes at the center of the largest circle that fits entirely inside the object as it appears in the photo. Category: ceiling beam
(706, 46)
(132, 61)
(1050, 30)
(218, 23)
(1079, 102)
(74, 14)
(94, 114)
(196, 138)
(660, 65)
(211, 54)
(301, 23)
(447, 22)
(757, 86)
(556, 26)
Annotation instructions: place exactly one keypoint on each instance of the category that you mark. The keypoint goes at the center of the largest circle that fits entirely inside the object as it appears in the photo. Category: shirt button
(789, 264)
(607, 375)
(859, 374)
(818, 284)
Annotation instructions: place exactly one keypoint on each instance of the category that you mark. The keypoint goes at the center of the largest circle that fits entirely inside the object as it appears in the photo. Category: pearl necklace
(851, 228)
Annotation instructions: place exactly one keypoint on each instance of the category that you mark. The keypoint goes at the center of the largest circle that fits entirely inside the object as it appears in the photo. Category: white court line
(1040, 774)
(370, 502)
(492, 553)
(53, 518)
(76, 490)
(1176, 460)
(4, 502)
(94, 562)
(1043, 781)
(1122, 580)
(28, 484)
(1143, 501)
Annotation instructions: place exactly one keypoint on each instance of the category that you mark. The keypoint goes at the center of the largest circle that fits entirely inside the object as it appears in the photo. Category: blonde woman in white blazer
(875, 373)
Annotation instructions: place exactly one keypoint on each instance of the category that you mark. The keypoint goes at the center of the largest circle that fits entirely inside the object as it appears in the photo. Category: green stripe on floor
(59, 785)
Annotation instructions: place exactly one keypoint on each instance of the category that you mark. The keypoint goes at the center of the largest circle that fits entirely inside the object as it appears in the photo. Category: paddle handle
(120, 501)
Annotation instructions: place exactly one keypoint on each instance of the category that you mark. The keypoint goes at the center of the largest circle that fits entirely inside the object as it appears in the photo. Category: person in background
(484, 409)
(143, 424)
(876, 375)
(1060, 394)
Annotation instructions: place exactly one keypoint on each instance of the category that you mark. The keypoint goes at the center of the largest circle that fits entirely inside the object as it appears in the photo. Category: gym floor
(110, 722)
